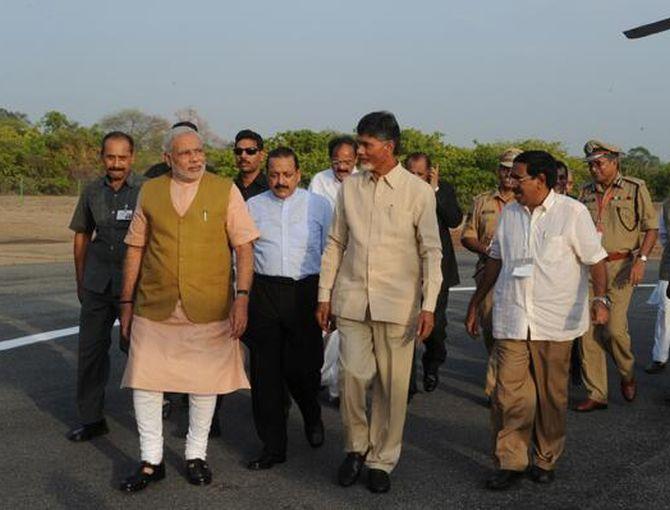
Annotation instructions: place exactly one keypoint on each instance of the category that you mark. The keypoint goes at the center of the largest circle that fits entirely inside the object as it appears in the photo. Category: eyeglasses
(520, 178)
(343, 162)
(248, 150)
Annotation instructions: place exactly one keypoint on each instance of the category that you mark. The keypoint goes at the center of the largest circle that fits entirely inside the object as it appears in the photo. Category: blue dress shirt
(294, 231)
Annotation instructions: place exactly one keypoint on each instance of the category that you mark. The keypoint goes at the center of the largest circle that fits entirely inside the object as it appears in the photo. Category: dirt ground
(36, 230)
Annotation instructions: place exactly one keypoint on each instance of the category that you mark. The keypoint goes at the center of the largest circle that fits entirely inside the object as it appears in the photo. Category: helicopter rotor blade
(649, 29)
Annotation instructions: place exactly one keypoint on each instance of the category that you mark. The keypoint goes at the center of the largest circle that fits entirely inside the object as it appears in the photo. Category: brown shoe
(628, 389)
(589, 405)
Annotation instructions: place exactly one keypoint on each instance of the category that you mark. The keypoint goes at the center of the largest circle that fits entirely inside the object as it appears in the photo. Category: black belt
(285, 280)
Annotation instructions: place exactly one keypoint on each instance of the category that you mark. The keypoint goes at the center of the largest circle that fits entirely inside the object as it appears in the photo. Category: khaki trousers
(612, 337)
(530, 402)
(485, 313)
(377, 354)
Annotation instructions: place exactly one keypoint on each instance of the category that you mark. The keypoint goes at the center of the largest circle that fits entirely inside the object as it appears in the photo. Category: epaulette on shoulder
(483, 195)
(633, 180)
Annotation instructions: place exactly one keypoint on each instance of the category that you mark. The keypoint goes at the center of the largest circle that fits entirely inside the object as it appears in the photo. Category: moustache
(281, 186)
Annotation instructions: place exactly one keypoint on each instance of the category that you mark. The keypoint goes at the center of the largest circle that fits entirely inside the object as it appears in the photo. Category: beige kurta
(177, 355)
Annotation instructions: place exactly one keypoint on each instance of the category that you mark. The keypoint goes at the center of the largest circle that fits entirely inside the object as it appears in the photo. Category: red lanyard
(602, 203)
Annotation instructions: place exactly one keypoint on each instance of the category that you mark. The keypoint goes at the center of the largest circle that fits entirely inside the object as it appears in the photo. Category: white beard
(185, 175)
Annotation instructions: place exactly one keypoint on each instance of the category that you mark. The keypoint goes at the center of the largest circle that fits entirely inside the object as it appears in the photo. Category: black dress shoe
(198, 472)
(145, 474)
(89, 431)
(350, 469)
(503, 479)
(266, 461)
(430, 381)
(655, 367)
(314, 434)
(378, 481)
(539, 475)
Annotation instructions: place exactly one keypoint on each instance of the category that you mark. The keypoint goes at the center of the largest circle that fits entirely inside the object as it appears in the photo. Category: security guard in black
(100, 222)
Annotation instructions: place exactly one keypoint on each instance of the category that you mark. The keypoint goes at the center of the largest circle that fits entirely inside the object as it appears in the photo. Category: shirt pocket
(625, 212)
(554, 248)
(398, 224)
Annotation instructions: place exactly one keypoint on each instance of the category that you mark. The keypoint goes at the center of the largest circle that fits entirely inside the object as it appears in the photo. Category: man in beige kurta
(185, 324)
(381, 270)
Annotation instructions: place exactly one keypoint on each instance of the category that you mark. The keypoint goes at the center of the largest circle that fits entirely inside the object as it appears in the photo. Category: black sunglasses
(249, 150)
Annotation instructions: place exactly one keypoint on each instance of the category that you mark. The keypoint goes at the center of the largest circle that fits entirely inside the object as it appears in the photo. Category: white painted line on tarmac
(471, 289)
(22, 341)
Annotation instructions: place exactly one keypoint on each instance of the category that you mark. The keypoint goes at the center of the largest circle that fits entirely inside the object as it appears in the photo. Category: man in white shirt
(342, 153)
(659, 298)
(540, 258)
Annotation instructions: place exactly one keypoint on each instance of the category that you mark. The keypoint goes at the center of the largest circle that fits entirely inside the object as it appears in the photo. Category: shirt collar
(618, 182)
(260, 180)
(288, 199)
(546, 204)
(549, 200)
(499, 196)
(131, 180)
(392, 178)
(332, 173)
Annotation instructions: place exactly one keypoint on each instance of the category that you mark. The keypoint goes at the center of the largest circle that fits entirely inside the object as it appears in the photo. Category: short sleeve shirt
(482, 219)
(106, 214)
(621, 213)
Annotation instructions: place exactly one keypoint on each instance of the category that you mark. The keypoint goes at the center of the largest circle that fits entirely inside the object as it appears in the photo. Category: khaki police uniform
(622, 214)
(481, 224)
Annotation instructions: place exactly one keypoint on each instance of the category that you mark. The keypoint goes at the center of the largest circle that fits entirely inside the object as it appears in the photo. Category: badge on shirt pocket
(124, 214)
(523, 268)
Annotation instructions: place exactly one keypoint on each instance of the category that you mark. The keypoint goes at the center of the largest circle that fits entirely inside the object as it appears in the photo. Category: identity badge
(124, 214)
(523, 268)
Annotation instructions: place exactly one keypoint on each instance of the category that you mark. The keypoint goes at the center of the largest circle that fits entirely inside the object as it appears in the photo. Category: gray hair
(174, 133)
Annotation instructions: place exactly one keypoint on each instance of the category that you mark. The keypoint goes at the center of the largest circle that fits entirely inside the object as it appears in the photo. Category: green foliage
(55, 153)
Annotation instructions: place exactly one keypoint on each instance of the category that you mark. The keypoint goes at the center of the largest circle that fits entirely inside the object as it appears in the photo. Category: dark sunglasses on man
(250, 151)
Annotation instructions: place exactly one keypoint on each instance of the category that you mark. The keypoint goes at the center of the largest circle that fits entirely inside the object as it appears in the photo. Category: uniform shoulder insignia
(483, 195)
(633, 180)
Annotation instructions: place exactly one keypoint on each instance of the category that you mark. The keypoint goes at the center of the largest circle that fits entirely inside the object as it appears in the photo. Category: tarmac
(618, 458)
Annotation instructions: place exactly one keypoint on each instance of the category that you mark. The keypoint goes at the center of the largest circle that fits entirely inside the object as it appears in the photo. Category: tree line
(55, 154)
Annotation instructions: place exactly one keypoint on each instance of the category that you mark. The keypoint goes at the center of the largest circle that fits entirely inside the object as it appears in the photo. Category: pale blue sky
(486, 70)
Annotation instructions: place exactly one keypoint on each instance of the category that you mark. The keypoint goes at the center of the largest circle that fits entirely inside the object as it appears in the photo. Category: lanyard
(602, 202)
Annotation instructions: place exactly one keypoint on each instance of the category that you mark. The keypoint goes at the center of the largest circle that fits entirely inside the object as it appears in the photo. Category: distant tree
(641, 157)
(147, 130)
(52, 121)
(640, 162)
(191, 114)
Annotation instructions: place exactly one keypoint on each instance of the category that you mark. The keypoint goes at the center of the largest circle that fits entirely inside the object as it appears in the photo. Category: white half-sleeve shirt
(554, 245)
(327, 185)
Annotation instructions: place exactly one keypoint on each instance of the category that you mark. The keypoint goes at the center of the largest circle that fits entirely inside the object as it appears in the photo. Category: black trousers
(96, 319)
(286, 354)
(436, 349)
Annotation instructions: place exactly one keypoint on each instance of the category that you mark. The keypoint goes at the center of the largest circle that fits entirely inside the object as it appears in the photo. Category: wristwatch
(241, 292)
(604, 300)
(643, 258)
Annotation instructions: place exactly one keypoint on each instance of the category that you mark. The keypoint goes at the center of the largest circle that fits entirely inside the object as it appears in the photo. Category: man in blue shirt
(284, 339)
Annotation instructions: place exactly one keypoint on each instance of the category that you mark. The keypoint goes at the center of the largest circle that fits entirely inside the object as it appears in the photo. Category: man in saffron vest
(176, 296)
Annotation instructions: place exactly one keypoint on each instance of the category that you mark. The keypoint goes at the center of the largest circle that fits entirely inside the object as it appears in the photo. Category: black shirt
(257, 186)
(106, 213)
